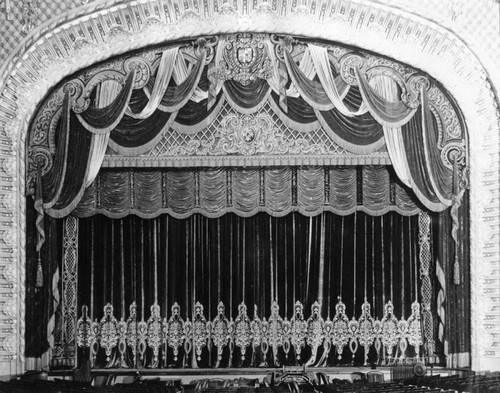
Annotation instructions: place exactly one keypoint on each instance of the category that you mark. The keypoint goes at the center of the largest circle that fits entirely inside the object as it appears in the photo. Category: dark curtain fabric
(40, 301)
(132, 132)
(64, 182)
(414, 147)
(358, 130)
(195, 112)
(395, 113)
(105, 118)
(298, 109)
(51, 180)
(246, 96)
(442, 176)
(254, 260)
(76, 166)
(452, 301)
(177, 95)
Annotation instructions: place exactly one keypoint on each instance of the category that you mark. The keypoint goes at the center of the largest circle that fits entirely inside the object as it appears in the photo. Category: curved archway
(101, 30)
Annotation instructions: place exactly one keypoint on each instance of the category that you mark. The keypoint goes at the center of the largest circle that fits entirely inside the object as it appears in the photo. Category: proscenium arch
(103, 29)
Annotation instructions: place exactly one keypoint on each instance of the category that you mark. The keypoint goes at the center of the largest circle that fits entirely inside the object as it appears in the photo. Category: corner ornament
(244, 59)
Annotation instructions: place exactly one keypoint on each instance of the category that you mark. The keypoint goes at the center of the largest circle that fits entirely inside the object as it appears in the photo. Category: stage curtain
(254, 260)
(277, 191)
(42, 302)
(246, 99)
(136, 136)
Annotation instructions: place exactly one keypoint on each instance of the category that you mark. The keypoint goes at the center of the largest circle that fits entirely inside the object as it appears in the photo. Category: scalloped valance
(214, 192)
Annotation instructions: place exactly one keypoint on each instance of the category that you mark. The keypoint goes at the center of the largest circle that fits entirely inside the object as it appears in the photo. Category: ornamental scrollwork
(415, 83)
(249, 135)
(348, 64)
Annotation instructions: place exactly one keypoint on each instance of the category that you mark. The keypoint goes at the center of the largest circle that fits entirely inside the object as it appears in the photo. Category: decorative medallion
(176, 334)
(220, 331)
(200, 331)
(245, 59)
(340, 333)
(242, 330)
(390, 332)
(299, 327)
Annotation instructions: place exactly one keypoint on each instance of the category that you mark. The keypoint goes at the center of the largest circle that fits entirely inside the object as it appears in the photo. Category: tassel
(456, 272)
(39, 274)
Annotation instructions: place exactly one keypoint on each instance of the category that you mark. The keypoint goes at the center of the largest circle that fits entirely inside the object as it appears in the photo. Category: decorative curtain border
(277, 191)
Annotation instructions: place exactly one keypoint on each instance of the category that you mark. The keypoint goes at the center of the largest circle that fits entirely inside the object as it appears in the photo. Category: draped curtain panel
(254, 260)
(277, 191)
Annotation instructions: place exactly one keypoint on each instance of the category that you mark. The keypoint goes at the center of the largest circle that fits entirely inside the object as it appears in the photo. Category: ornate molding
(53, 51)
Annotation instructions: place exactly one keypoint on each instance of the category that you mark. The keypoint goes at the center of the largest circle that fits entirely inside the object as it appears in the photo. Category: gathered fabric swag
(277, 191)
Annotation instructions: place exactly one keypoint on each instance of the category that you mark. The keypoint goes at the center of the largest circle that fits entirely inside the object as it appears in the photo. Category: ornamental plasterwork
(25, 80)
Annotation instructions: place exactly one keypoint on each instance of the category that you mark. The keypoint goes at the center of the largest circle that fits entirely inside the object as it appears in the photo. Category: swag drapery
(214, 192)
(359, 118)
(254, 260)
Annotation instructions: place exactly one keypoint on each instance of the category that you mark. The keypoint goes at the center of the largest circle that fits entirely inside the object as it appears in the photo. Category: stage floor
(189, 375)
